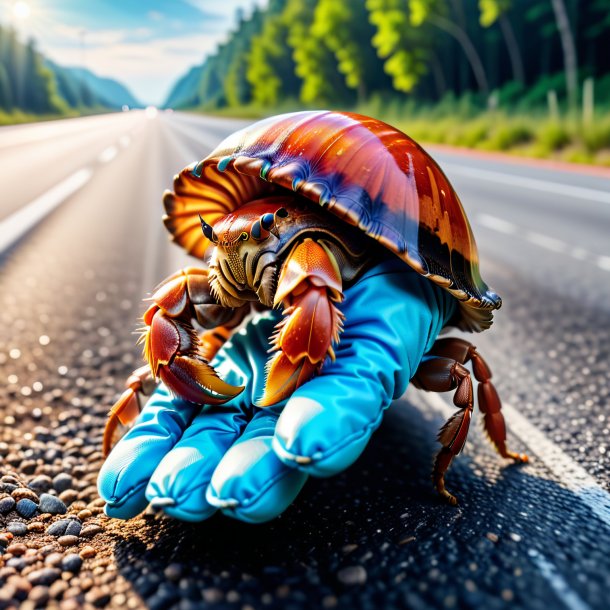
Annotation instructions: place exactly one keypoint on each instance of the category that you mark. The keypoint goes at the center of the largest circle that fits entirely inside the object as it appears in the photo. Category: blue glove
(251, 463)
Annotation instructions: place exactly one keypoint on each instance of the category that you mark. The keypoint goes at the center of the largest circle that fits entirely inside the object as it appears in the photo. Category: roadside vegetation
(525, 76)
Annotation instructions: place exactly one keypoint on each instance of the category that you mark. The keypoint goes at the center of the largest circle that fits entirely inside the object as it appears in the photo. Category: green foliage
(345, 29)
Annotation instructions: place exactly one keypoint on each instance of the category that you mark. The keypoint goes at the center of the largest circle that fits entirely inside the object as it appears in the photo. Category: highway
(81, 243)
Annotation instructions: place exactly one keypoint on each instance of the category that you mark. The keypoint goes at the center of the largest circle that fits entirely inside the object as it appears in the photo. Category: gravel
(52, 505)
(26, 508)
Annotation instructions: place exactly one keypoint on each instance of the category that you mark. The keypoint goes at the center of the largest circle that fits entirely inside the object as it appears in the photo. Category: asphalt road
(376, 536)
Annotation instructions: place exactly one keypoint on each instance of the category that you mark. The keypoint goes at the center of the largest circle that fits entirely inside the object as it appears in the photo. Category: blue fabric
(251, 463)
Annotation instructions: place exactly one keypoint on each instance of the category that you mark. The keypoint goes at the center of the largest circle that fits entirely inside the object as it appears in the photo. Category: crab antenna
(208, 231)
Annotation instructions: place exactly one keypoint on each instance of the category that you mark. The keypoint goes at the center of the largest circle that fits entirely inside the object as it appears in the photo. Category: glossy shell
(360, 169)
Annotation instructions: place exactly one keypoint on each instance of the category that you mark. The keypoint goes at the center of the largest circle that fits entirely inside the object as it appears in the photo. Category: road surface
(81, 243)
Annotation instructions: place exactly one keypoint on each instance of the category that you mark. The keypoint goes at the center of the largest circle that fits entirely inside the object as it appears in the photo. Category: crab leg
(442, 370)
(175, 353)
(308, 288)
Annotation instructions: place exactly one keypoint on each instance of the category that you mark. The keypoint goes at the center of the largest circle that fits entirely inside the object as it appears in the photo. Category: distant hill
(184, 93)
(79, 86)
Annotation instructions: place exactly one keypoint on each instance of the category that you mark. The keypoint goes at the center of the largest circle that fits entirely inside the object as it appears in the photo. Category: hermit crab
(289, 213)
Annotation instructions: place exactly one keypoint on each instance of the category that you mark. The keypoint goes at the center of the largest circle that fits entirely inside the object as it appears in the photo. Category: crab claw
(309, 286)
(172, 349)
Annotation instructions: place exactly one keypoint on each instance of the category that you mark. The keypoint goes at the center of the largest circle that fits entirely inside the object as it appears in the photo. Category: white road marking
(565, 190)
(542, 241)
(108, 154)
(603, 262)
(567, 472)
(549, 572)
(497, 224)
(20, 222)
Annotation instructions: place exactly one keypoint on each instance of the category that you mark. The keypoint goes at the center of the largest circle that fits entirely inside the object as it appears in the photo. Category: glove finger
(125, 473)
(250, 483)
(179, 483)
(328, 421)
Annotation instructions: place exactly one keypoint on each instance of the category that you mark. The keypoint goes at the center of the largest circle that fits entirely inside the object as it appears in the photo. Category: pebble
(62, 482)
(35, 526)
(64, 527)
(17, 549)
(24, 493)
(4, 540)
(52, 504)
(39, 595)
(98, 596)
(72, 563)
(91, 530)
(68, 540)
(352, 575)
(68, 496)
(7, 505)
(17, 528)
(26, 508)
(54, 559)
(41, 483)
(44, 576)
(88, 552)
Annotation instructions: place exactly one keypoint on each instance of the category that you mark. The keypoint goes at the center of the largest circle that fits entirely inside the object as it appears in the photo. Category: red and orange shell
(360, 169)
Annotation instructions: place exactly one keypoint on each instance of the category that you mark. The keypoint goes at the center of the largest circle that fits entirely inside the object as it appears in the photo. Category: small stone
(17, 528)
(57, 589)
(39, 595)
(74, 528)
(68, 540)
(72, 563)
(40, 483)
(52, 504)
(58, 528)
(17, 549)
(88, 552)
(68, 496)
(44, 576)
(352, 575)
(26, 508)
(84, 514)
(98, 596)
(7, 505)
(173, 571)
(53, 560)
(4, 541)
(91, 530)
(62, 482)
(24, 493)
(36, 526)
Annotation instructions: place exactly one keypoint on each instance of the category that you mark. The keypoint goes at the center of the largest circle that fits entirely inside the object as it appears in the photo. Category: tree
(345, 29)
(570, 60)
(493, 11)
(314, 63)
(405, 48)
(434, 12)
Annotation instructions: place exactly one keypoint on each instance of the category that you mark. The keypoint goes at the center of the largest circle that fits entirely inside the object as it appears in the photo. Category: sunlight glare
(150, 112)
(21, 10)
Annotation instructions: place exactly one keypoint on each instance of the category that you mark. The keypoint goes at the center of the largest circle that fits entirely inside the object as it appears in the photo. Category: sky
(145, 44)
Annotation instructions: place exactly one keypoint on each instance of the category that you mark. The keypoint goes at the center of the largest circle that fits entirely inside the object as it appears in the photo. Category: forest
(449, 67)
(31, 86)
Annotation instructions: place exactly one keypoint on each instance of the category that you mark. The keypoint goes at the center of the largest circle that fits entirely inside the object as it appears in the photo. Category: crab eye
(282, 213)
(267, 221)
(255, 231)
(244, 236)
